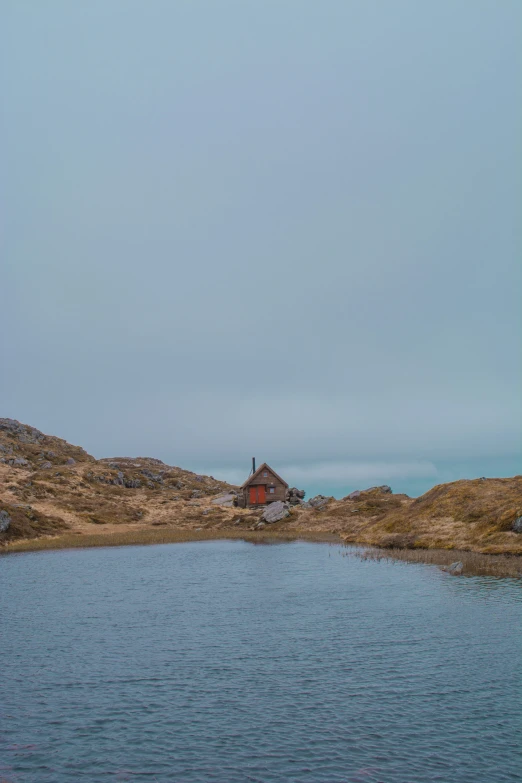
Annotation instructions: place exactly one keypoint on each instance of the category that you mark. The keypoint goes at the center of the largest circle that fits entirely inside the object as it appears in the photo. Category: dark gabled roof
(264, 466)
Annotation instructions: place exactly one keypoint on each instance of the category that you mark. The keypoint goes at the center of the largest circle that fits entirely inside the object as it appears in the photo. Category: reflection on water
(224, 661)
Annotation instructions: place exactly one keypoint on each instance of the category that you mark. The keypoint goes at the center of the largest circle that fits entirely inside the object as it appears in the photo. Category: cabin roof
(264, 466)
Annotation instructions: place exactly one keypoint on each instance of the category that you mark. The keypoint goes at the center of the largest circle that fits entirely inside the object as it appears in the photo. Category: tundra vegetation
(54, 495)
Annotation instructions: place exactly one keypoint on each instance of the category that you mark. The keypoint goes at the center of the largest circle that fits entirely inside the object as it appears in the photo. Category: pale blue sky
(289, 229)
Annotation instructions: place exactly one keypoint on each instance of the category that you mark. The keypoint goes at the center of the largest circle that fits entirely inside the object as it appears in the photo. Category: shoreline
(503, 565)
(147, 536)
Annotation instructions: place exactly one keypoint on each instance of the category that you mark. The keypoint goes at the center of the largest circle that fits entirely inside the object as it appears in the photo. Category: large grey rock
(71, 461)
(274, 512)
(353, 495)
(227, 500)
(517, 525)
(46, 465)
(5, 521)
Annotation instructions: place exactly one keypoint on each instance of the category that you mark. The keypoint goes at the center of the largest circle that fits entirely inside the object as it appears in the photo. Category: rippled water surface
(225, 661)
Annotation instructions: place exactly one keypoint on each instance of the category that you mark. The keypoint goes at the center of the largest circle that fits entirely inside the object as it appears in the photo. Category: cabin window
(271, 490)
(265, 474)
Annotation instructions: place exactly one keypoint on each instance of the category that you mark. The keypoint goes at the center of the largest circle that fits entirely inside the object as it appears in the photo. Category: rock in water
(456, 568)
(275, 511)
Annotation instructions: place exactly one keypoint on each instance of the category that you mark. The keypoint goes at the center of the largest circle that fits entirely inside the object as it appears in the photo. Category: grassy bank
(475, 563)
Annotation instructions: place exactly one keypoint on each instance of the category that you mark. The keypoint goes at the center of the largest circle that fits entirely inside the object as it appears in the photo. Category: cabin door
(257, 494)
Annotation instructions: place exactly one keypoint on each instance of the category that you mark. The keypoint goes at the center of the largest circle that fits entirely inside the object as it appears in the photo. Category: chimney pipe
(253, 465)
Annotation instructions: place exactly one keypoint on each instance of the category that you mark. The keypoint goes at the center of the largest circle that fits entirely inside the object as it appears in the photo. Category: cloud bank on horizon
(285, 229)
(339, 474)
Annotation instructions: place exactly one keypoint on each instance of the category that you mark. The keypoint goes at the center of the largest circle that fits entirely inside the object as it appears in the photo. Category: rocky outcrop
(384, 489)
(318, 502)
(295, 496)
(21, 432)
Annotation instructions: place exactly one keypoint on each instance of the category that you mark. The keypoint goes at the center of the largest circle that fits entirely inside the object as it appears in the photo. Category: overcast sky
(286, 228)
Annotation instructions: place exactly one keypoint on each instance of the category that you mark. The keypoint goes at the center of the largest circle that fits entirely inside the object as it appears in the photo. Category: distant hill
(52, 490)
(47, 486)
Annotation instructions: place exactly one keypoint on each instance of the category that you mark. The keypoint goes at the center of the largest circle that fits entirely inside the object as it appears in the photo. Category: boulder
(71, 461)
(19, 462)
(5, 521)
(353, 495)
(227, 500)
(46, 465)
(275, 511)
(517, 525)
(196, 493)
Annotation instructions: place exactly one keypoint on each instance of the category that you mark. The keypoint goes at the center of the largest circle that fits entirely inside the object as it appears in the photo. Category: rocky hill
(52, 490)
(49, 486)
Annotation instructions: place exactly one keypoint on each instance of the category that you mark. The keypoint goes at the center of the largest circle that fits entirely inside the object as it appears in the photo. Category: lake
(229, 661)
